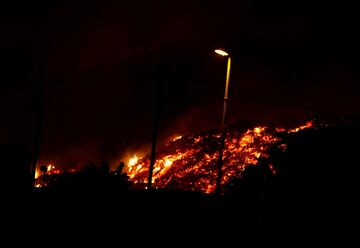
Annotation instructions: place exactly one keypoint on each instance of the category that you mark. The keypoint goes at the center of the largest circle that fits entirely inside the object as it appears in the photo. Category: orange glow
(192, 164)
(133, 160)
(308, 124)
(51, 170)
(37, 172)
(176, 138)
(273, 171)
(280, 129)
(239, 151)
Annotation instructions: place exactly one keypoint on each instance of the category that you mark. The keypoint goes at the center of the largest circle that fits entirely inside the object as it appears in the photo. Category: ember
(190, 162)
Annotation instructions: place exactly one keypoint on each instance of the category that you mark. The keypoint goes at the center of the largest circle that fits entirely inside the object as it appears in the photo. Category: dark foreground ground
(313, 197)
(182, 217)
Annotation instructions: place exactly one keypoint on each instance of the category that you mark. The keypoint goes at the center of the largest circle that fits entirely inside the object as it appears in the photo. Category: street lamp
(223, 124)
(221, 52)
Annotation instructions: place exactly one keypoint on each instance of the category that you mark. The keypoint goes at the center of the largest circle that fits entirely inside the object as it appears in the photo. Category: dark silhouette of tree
(104, 168)
(120, 168)
(43, 169)
(119, 178)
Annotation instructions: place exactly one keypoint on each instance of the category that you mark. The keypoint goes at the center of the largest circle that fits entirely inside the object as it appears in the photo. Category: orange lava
(190, 162)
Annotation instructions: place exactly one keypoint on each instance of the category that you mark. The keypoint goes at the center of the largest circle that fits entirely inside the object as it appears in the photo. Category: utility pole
(224, 122)
(153, 143)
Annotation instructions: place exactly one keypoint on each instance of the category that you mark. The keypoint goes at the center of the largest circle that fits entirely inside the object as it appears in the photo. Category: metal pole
(223, 130)
(157, 110)
(153, 146)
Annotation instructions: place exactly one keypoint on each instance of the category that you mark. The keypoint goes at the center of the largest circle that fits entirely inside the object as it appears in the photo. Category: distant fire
(176, 138)
(50, 170)
(190, 162)
(307, 125)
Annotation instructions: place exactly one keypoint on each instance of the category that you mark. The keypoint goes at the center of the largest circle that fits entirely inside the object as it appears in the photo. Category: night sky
(102, 61)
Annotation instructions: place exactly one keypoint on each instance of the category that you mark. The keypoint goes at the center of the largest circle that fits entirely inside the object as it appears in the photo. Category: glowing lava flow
(190, 162)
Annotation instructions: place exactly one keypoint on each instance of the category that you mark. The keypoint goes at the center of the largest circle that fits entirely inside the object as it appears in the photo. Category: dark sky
(101, 62)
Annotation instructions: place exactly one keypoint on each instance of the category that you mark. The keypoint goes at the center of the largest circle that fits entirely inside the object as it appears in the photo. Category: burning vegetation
(190, 162)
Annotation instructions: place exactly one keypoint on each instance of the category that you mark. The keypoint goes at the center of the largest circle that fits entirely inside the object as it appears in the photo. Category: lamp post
(223, 124)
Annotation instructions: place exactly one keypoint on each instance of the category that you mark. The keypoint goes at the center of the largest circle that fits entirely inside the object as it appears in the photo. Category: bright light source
(221, 52)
